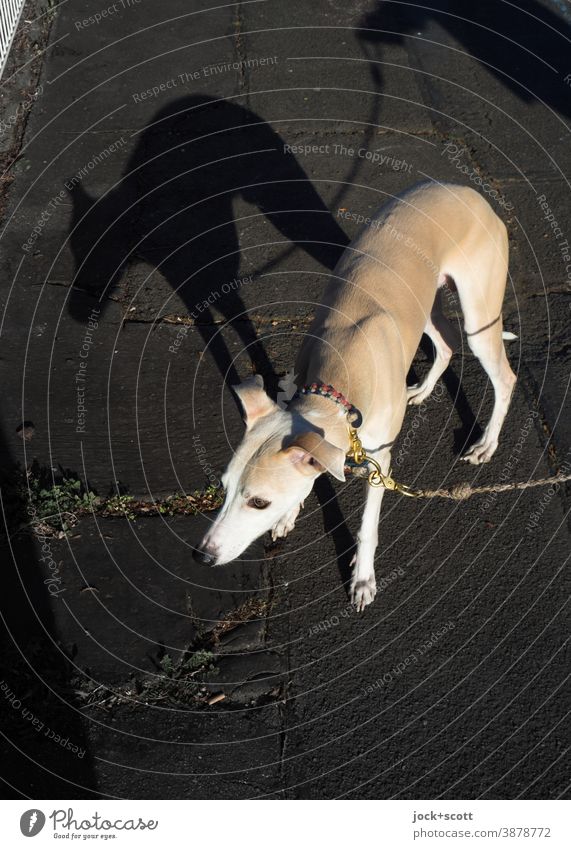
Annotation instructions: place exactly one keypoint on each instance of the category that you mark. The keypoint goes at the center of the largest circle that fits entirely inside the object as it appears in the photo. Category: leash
(357, 462)
(458, 492)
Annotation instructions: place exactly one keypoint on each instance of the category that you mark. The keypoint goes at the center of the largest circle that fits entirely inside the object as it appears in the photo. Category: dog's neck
(324, 415)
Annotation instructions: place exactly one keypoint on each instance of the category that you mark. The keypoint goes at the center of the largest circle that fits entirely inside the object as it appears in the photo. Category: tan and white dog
(383, 295)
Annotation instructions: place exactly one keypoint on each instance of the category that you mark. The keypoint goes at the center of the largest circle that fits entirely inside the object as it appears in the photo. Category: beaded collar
(357, 461)
(326, 391)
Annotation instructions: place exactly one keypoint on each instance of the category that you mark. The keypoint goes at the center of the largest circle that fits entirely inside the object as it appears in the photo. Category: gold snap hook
(356, 452)
(358, 455)
(375, 478)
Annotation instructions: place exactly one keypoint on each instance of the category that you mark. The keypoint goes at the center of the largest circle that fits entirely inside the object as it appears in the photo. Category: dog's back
(396, 262)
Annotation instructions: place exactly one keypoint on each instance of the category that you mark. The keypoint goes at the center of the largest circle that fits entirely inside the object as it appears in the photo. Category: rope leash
(462, 491)
(357, 463)
(458, 492)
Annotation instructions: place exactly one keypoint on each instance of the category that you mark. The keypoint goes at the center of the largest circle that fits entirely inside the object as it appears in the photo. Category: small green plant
(58, 505)
(51, 501)
(200, 659)
(167, 665)
(121, 504)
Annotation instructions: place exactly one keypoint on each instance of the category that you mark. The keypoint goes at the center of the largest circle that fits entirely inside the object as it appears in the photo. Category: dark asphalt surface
(208, 153)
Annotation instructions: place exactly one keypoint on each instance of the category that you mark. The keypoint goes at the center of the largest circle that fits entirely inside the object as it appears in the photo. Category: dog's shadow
(173, 209)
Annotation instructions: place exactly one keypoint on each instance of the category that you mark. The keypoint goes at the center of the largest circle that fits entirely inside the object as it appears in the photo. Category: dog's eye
(258, 503)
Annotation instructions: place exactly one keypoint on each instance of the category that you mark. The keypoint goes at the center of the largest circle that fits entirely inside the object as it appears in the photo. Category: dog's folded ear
(254, 399)
(313, 454)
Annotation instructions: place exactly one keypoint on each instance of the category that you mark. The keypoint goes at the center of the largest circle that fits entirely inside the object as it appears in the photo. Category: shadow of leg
(335, 526)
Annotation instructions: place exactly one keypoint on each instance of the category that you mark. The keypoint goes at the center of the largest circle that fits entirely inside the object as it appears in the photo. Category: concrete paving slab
(89, 437)
(497, 67)
(123, 605)
(327, 69)
(89, 78)
(538, 227)
(200, 753)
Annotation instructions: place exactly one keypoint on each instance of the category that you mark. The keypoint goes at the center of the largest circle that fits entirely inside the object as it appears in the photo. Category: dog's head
(272, 471)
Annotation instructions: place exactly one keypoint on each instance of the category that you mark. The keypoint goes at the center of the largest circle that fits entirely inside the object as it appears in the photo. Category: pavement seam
(241, 54)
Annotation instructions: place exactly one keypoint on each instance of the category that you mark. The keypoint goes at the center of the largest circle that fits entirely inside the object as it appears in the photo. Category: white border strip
(390, 824)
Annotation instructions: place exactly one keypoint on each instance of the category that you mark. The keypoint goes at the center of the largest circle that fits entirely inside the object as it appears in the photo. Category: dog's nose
(204, 557)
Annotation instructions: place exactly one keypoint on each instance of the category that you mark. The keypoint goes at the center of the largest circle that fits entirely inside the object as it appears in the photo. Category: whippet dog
(383, 295)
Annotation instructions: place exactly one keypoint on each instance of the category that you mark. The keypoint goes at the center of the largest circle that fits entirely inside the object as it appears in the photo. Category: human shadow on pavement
(43, 748)
(523, 44)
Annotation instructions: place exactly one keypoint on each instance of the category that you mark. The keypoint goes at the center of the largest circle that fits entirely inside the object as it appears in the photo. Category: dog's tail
(508, 337)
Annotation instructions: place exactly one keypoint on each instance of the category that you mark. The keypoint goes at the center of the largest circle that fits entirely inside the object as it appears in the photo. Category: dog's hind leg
(481, 285)
(445, 339)
(488, 346)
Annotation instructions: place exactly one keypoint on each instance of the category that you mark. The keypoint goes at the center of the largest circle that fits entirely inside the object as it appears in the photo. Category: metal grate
(10, 11)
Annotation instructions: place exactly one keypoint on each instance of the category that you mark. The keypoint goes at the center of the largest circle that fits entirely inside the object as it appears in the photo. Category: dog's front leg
(287, 523)
(363, 587)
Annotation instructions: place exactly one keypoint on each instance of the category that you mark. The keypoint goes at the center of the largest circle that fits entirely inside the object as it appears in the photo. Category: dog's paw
(286, 524)
(481, 452)
(282, 528)
(362, 591)
(418, 393)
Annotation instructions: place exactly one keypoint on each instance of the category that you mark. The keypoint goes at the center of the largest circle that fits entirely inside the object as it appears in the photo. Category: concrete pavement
(175, 199)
